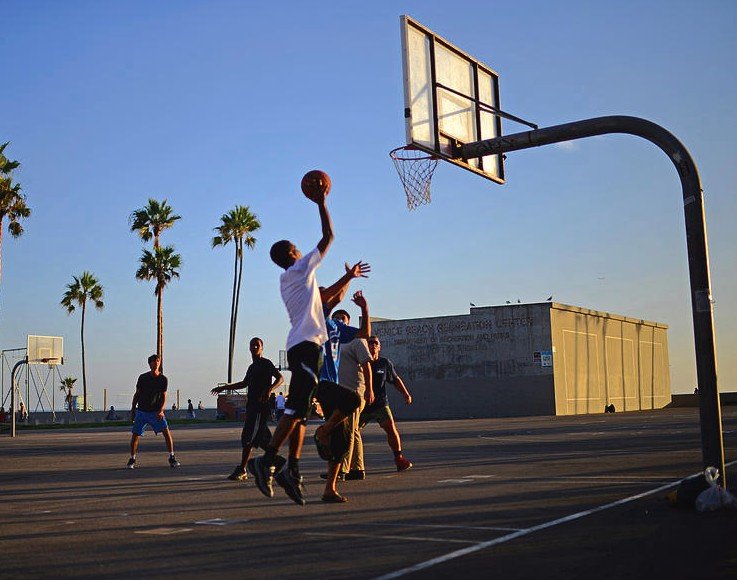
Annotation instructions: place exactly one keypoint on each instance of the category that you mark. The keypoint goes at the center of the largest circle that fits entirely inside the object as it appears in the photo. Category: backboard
(45, 350)
(448, 96)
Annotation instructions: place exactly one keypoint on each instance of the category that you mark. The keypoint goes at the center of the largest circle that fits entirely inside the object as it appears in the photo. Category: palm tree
(83, 288)
(161, 265)
(152, 219)
(236, 227)
(12, 201)
(67, 384)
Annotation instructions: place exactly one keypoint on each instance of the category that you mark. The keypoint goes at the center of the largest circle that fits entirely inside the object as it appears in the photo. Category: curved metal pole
(712, 444)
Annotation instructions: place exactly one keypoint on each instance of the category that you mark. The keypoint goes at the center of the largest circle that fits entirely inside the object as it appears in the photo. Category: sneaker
(355, 474)
(403, 464)
(173, 462)
(263, 475)
(239, 474)
(131, 463)
(292, 485)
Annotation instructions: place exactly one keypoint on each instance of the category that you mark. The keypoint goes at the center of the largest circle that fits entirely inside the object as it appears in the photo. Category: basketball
(315, 183)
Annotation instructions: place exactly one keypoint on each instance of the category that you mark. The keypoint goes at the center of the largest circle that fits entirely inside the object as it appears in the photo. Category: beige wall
(601, 358)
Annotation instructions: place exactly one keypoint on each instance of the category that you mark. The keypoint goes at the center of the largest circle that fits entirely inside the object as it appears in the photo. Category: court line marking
(443, 526)
(513, 536)
(375, 537)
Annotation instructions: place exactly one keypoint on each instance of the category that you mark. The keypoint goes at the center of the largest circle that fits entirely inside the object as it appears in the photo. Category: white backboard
(45, 350)
(448, 96)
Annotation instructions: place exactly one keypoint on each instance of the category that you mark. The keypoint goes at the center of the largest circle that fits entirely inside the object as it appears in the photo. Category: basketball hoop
(415, 168)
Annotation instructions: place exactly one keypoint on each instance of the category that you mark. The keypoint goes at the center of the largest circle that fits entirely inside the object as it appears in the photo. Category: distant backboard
(45, 350)
(448, 96)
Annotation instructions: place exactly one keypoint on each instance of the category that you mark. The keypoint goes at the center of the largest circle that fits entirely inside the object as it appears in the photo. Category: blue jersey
(338, 333)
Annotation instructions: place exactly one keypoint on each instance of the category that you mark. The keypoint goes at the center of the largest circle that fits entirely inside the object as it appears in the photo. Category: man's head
(284, 253)
(256, 347)
(341, 316)
(154, 363)
(374, 346)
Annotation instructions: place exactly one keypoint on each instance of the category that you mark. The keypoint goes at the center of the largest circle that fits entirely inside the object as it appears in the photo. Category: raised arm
(333, 295)
(365, 330)
(327, 226)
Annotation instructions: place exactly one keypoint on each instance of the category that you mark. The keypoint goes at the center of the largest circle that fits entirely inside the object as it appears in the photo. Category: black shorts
(255, 430)
(331, 397)
(304, 361)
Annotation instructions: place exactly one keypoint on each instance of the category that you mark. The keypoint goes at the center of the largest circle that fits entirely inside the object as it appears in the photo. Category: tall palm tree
(67, 384)
(152, 219)
(12, 201)
(162, 266)
(236, 226)
(83, 289)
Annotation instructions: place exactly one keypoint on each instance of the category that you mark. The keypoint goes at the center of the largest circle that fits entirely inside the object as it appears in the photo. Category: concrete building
(527, 359)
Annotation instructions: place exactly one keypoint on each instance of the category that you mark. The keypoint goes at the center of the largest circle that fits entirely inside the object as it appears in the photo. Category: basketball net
(415, 169)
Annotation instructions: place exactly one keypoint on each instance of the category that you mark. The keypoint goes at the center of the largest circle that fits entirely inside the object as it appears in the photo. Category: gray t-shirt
(352, 355)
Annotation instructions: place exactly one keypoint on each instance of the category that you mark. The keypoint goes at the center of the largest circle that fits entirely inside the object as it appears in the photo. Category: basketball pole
(12, 394)
(712, 443)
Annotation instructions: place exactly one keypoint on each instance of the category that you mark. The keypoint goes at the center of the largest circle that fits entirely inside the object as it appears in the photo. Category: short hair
(255, 339)
(280, 253)
(152, 358)
(341, 312)
(373, 337)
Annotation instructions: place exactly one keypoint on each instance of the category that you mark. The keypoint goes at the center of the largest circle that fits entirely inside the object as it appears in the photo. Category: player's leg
(170, 446)
(386, 422)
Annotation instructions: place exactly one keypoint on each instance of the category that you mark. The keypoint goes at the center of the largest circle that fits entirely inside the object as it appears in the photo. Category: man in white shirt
(301, 296)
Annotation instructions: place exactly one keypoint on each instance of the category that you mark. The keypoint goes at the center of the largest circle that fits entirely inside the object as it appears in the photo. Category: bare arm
(279, 380)
(400, 386)
(333, 295)
(228, 387)
(133, 405)
(360, 301)
(368, 379)
(163, 404)
(327, 226)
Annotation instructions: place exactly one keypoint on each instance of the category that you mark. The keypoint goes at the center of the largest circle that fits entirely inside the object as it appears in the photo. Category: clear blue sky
(218, 103)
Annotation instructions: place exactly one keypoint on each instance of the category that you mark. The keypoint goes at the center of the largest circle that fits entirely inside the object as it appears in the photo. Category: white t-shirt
(301, 296)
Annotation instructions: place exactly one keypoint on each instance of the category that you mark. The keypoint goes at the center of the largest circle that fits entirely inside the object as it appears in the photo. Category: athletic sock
(270, 455)
(293, 466)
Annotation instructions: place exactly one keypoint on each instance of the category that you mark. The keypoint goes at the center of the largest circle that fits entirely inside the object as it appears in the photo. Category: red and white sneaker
(403, 464)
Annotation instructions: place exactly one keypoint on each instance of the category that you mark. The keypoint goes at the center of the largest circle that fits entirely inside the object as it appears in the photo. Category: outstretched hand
(359, 270)
(359, 300)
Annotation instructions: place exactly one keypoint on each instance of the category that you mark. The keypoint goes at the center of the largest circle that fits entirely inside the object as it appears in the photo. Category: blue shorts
(144, 418)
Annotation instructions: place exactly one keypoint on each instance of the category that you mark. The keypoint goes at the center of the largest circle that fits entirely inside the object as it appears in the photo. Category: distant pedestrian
(23, 412)
(280, 403)
(112, 415)
(200, 406)
(190, 409)
(148, 409)
(261, 378)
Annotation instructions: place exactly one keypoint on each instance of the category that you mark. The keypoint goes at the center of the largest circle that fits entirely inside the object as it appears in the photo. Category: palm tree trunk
(1, 248)
(231, 334)
(160, 324)
(238, 291)
(84, 372)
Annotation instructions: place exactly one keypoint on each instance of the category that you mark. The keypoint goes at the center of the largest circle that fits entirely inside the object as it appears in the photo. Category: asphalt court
(556, 496)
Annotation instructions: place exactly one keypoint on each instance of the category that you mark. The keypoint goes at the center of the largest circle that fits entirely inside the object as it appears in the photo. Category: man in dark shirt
(383, 372)
(261, 378)
(148, 409)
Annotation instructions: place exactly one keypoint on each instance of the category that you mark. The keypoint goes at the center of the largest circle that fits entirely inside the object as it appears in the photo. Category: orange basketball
(315, 183)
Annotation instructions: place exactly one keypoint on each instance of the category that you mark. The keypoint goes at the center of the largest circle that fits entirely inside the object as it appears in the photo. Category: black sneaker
(292, 485)
(263, 475)
(355, 474)
(173, 463)
(131, 463)
(239, 474)
(341, 476)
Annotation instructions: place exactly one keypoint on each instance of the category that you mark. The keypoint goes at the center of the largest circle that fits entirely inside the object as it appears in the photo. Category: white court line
(525, 532)
(372, 536)
(442, 526)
